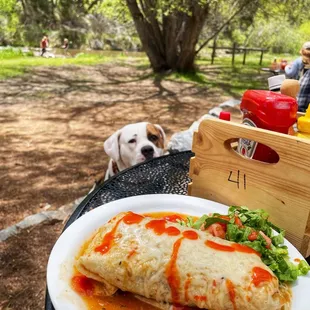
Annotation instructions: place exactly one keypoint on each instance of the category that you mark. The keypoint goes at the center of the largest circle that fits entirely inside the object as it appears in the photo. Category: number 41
(237, 180)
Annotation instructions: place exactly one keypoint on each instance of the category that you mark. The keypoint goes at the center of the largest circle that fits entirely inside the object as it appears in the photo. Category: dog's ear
(161, 132)
(111, 146)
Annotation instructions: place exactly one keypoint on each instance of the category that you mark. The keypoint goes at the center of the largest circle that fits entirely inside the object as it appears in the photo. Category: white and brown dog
(133, 144)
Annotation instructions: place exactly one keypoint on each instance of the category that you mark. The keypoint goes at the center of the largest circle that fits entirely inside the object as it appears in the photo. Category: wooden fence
(235, 49)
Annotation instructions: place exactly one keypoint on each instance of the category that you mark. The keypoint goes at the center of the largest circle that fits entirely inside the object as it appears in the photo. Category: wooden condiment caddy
(282, 189)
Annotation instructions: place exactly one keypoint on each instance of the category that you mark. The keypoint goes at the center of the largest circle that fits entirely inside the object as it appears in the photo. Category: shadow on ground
(53, 124)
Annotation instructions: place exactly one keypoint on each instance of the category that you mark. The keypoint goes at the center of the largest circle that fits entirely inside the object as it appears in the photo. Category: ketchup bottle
(267, 110)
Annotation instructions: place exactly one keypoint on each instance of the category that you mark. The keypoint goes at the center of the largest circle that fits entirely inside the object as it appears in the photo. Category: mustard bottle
(303, 125)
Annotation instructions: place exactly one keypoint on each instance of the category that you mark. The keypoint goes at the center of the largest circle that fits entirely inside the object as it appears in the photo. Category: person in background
(300, 65)
(303, 97)
(66, 47)
(275, 65)
(66, 44)
(44, 44)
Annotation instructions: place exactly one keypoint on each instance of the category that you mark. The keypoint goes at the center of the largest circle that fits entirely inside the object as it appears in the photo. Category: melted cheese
(144, 272)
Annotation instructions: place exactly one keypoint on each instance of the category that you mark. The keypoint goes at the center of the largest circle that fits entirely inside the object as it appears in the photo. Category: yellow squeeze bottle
(303, 125)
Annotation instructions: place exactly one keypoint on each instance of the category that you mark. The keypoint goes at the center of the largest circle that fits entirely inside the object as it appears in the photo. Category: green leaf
(255, 245)
(234, 233)
(277, 240)
(189, 222)
(303, 268)
(276, 228)
(211, 220)
(199, 222)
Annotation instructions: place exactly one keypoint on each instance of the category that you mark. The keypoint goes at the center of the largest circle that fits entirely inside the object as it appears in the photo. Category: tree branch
(222, 27)
(92, 5)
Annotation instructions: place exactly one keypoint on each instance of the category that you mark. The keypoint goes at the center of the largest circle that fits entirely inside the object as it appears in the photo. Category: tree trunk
(193, 28)
(172, 44)
(148, 39)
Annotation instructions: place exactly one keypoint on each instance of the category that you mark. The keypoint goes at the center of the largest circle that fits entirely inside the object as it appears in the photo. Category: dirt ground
(53, 124)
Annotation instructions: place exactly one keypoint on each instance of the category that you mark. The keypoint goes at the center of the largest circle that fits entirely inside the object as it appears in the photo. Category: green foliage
(304, 30)
(114, 10)
(9, 53)
(7, 6)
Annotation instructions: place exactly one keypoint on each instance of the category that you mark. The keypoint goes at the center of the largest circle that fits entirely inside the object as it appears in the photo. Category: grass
(221, 76)
(231, 80)
(17, 64)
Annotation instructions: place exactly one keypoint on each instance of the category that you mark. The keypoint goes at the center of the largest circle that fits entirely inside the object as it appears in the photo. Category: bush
(10, 53)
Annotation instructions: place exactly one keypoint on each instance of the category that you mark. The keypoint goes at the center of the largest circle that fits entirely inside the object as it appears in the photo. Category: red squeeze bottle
(225, 116)
(267, 110)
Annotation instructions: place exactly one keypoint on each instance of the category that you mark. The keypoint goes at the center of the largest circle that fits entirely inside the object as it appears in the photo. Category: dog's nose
(147, 151)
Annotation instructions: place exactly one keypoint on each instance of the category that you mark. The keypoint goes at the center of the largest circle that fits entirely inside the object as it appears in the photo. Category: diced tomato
(268, 240)
(217, 230)
(224, 226)
(173, 218)
(225, 217)
(253, 235)
(238, 222)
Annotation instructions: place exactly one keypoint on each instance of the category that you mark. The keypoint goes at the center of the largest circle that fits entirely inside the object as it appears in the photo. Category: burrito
(169, 263)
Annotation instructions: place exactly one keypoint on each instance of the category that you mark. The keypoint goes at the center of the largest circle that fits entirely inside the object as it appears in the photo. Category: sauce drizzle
(200, 298)
(83, 285)
(231, 291)
(219, 247)
(159, 228)
(244, 249)
(186, 286)
(172, 273)
(108, 240)
(260, 275)
(172, 231)
(190, 234)
(132, 218)
(231, 248)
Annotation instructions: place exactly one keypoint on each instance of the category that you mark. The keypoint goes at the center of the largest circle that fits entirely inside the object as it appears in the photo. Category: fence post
(261, 57)
(233, 54)
(213, 51)
(244, 56)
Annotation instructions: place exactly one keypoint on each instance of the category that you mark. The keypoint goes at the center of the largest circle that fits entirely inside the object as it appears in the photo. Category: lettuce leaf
(303, 268)
(276, 257)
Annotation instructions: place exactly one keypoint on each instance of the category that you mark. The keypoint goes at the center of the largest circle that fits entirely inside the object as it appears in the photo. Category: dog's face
(135, 143)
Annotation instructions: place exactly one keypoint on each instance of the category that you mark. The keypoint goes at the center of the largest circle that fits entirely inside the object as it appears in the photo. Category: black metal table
(163, 175)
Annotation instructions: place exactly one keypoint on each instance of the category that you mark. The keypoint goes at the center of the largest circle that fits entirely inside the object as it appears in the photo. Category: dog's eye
(153, 138)
(132, 141)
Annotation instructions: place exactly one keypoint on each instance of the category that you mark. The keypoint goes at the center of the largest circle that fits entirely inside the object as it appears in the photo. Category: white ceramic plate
(60, 264)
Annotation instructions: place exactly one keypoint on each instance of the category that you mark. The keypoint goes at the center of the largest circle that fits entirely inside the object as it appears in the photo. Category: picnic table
(274, 72)
(168, 174)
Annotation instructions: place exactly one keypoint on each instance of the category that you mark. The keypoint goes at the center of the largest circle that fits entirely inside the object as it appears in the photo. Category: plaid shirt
(303, 97)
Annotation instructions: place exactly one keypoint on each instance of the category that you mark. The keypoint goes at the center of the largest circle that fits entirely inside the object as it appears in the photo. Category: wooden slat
(282, 189)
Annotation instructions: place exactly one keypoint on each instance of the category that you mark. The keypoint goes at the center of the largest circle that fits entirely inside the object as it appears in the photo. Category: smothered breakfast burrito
(170, 263)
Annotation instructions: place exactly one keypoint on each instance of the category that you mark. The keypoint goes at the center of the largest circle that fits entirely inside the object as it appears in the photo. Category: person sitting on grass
(300, 65)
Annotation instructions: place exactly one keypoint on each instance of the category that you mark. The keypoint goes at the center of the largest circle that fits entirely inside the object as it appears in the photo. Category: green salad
(252, 228)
